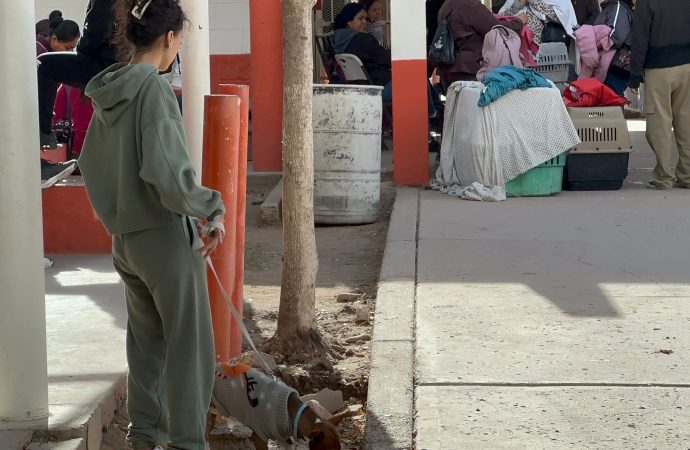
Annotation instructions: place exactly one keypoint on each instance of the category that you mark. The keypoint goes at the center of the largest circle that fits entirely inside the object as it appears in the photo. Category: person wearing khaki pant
(661, 57)
(668, 123)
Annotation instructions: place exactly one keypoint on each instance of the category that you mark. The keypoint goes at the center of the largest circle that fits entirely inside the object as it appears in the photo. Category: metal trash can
(347, 154)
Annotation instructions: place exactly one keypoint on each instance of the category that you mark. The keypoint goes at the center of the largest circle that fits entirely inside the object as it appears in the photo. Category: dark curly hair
(159, 17)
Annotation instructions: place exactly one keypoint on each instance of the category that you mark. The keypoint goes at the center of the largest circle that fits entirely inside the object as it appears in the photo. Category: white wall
(229, 26)
(229, 21)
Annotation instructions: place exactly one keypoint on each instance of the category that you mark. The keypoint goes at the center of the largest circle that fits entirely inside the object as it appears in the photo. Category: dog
(270, 408)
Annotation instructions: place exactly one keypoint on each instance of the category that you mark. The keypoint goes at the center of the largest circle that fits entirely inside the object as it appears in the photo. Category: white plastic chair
(352, 67)
(354, 71)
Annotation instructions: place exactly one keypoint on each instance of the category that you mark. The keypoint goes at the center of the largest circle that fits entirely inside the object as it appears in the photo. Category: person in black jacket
(661, 56)
(94, 53)
(618, 15)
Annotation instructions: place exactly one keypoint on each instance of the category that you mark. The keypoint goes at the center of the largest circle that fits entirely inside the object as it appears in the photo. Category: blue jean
(617, 82)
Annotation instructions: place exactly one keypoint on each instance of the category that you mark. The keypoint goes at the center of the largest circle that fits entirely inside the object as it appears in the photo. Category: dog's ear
(336, 419)
(324, 437)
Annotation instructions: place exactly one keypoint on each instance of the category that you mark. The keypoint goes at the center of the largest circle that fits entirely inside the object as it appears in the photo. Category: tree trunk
(297, 329)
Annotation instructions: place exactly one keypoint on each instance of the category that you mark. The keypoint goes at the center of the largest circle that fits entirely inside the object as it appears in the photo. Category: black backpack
(442, 48)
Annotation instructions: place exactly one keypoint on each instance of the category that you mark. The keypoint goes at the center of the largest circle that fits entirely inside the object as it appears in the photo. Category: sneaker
(651, 184)
(680, 185)
(48, 141)
(51, 172)
(48, 262)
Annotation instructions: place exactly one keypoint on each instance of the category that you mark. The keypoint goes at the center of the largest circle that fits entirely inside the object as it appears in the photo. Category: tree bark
(297, 330)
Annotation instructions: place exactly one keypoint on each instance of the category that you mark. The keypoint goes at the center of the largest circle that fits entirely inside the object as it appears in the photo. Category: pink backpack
(501, 48)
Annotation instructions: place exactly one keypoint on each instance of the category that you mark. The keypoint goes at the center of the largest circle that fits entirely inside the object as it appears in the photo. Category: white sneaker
(52, 173)
(48, 262)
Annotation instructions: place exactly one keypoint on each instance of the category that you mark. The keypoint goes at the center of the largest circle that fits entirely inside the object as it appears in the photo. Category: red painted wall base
(57, 155)
(70, 224)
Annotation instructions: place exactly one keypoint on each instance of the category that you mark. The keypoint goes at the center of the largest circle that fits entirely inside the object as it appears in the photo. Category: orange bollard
(242, 91)
(220, 172)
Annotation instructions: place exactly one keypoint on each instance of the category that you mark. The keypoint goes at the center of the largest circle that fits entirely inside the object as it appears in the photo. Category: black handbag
(64, 129)
(554, 32)
(442, 49)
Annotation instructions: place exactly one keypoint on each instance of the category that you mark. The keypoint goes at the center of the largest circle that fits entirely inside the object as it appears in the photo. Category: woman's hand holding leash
(214, 230)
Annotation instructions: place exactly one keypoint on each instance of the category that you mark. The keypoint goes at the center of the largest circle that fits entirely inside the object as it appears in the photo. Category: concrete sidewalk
(86, 325)
(557, 322)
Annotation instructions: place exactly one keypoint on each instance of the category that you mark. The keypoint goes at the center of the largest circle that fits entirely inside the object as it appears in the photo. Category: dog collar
(298, 416)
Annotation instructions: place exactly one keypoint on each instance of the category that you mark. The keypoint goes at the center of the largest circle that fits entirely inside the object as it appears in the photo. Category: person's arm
(483, 20)
(97, 25)
(373, 50)
(514, 8)
(165, 164)
(621, 28)
(640, 42)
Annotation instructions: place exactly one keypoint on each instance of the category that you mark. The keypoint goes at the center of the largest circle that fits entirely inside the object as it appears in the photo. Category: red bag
(591, 92)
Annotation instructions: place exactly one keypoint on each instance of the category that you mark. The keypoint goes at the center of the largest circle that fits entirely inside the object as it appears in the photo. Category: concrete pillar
(410, 114)
(196, 77)
(266, 81)
(23, 359)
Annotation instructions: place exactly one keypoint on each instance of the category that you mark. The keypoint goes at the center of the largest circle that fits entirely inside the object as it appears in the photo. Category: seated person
(94, 53)
(539, 12)
(375, 21)
(469, 21)
(350, 37)
(61, 36)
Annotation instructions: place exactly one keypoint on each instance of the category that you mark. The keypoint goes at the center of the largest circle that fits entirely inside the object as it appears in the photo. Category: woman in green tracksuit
(141, 184)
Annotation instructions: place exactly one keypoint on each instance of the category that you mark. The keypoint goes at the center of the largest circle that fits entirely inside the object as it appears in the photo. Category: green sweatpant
(170, 348)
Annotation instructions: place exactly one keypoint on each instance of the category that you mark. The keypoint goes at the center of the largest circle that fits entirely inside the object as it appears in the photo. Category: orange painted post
(266, 78)
(220, 172)
(242, 92)
(410, 123)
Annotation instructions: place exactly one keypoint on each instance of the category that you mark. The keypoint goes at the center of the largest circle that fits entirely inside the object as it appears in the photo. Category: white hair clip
(138, 11)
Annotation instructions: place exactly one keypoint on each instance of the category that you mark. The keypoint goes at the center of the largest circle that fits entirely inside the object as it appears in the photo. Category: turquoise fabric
(505, 79)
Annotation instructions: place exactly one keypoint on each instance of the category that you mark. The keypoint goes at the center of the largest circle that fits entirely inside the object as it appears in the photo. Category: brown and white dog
(270, 408)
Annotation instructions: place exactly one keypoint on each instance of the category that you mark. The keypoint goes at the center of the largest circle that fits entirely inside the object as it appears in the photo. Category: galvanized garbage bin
(347, 153)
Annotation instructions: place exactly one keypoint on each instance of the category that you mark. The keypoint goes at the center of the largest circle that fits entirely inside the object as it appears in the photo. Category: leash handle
(236, 315)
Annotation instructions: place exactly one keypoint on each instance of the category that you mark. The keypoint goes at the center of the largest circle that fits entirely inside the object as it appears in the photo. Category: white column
(23, 360)
(196, 76)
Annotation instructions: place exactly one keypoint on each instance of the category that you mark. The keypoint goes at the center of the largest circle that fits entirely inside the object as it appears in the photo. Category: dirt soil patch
(349, 263)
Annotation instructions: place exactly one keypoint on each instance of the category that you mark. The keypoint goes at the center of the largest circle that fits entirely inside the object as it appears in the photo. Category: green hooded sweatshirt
(134, 161)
